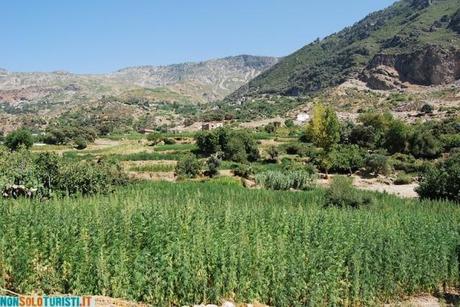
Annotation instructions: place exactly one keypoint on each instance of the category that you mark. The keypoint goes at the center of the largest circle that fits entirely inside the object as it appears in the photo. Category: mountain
(189, 82)
(411, 42)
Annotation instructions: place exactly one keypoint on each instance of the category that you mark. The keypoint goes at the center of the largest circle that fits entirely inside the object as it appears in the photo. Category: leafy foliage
(342, 194)
(443, 181)
(275, 180)
(189, 167)
(18, 138)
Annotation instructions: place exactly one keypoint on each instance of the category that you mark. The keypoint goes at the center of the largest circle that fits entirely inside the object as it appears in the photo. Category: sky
(99, 36)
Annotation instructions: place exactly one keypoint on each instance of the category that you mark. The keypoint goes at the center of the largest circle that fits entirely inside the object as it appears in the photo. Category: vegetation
(275, 180)
(342, 194)
(189, 167)
(442, 181)
(18, 138)
(178, 244)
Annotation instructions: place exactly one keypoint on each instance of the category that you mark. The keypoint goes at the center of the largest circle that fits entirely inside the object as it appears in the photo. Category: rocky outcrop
(382, 78)
(430, 66)
(455, 22)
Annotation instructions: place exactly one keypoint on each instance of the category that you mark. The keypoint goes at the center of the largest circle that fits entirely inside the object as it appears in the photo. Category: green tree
(189, 167)
(18, 138)
(443, 181)
(423, 144)
(396, 137)
(324, 127)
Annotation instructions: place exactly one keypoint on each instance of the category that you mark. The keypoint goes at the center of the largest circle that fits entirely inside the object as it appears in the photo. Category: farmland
(175, 244)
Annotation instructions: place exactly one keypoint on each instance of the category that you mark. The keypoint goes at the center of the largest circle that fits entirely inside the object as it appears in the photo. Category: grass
(153, 168)
(182, 244)
(148, 156)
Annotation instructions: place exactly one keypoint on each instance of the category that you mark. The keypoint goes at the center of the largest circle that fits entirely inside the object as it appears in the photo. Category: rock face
(455, 22)
(430, 66)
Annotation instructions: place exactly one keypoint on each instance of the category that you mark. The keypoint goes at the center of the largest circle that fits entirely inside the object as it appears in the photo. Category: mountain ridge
(406, 27)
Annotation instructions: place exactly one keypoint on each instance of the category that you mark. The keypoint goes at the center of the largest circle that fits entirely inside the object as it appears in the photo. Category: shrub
(242, 170)
(443, 181)
(154, 138)
(273, 154)
(342, 194)
(289, 123)
(88, 177)
(378, 164)
(403, 179)
(213, 163)
(450, 141)
(395, 139)
(80, 144)
(423, 144)
(18, 138)
(270, 128)
(275, 180)
(169, 141)
(363, 136)
(189, 167)
(427, 108)
(346, 158)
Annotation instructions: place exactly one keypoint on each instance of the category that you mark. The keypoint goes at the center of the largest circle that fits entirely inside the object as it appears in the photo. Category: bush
(407, 163)
(403, 179)
(213, 163)
(242, 170)
(378, 164)
(363, 136)
(88, 177)
(423, 144)
(237, 146)
(46, 174)
(154, 138)
(427, 108)
(289, 123)
(443, 181)
(450, 141)
(275, 180)
(18, 138)
(169, 141)
(395, 139)
(80, 144)
(273, 154)
(346, 158)
(189, 167)
(342, 194)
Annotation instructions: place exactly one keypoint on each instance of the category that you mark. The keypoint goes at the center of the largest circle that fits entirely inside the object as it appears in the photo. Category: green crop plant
(181, 244)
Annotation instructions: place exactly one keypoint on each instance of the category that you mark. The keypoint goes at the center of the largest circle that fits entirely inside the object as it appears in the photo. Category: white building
(302, 118)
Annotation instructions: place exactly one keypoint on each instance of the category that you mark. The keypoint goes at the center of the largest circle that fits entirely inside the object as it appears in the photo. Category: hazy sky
(95, 36)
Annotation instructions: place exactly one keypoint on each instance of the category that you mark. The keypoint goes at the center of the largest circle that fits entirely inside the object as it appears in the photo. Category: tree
(189, 167)
(443, 181)
(422, 144)
(213, 163)
(18, 138)
(273, 154)
(396, 137)
(207, 142)
(346, 158)
(377, 164)
(324, 127)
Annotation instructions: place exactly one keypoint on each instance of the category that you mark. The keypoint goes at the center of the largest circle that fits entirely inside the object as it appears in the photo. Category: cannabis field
(174, 244)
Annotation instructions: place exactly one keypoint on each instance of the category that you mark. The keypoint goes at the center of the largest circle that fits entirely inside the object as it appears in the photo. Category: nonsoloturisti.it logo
(47, 301)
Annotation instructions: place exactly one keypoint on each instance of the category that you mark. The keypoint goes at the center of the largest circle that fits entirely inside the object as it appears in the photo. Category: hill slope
(188, 82)
(415, 41)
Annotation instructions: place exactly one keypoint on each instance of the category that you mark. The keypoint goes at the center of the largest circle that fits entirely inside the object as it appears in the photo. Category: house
(302, 117)
(211, 126)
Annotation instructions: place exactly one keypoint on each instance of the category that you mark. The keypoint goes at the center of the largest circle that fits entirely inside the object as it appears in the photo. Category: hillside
(188, 82)
(413, 41)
